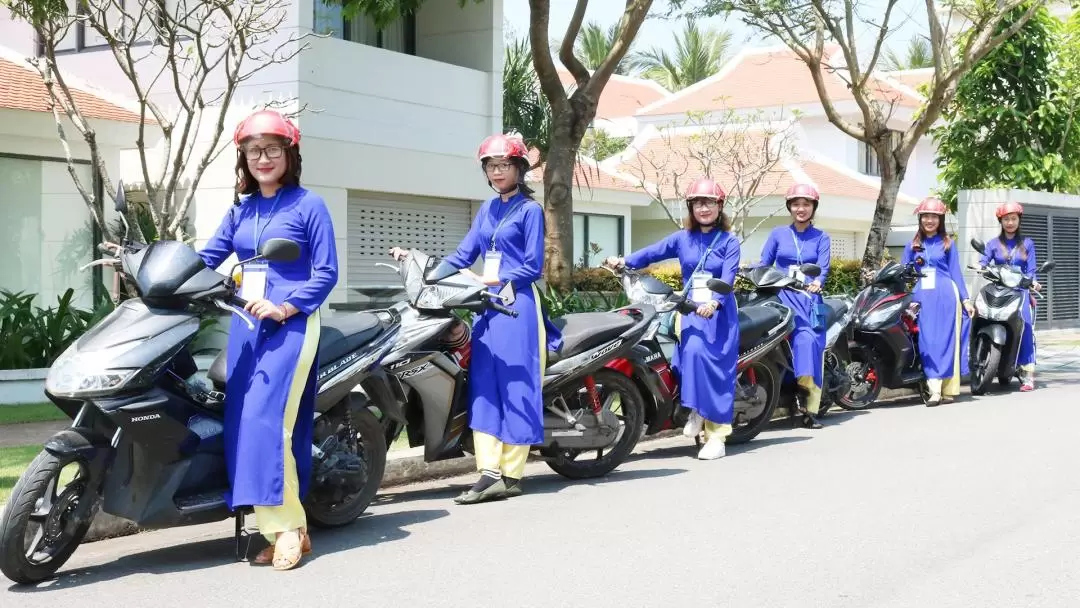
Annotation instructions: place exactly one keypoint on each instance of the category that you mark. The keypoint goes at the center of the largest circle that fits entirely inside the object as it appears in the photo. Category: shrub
(844, 277)
(32, 337)
(594, 279)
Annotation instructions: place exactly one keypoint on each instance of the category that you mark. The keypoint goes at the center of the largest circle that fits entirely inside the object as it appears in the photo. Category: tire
(1004, 382)
(28, 492)
(633, 410)
(765, 377)
(372, 437)
(987, 359)
(851, 403)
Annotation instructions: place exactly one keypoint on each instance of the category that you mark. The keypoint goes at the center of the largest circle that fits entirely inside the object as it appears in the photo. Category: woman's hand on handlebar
(398, 253)
(814, 287)
(265, 309)
(615, 262)
(1037, 286)
(110, 248)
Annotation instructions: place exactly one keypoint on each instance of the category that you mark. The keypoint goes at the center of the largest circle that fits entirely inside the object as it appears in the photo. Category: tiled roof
(21, 88)
(761, 78)
(588, 174)
(623, 96)
(677, 154)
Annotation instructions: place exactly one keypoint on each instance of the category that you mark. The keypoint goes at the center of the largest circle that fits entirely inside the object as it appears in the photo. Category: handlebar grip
(238, 301)
(502, 309)
(103, 249)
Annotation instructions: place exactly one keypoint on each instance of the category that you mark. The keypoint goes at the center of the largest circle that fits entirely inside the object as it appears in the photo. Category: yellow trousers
(494, 455)
(290, 514)
(715, 428)
(813, 397)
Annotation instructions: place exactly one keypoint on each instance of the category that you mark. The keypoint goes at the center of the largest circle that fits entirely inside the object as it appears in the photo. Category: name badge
(795, 273)
(492, 261)
(930, 280)
(253, 281)
(699, 288)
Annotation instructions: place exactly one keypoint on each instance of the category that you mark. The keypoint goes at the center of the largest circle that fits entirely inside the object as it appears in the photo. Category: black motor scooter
(998, 323)
(146, 439)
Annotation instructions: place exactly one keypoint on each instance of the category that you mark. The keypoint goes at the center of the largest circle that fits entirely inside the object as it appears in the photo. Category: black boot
(809, 421)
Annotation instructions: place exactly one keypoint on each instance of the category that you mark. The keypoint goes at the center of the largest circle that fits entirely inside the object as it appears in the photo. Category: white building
(390, 139)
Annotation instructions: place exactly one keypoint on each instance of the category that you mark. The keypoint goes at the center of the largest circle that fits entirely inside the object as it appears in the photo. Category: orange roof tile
(21, 88)
(767, 78)
(623, 96)
(589, 175)
(678, 156)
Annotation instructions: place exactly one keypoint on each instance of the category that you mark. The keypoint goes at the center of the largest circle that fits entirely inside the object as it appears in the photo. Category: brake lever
(237, 310)
(100, 262)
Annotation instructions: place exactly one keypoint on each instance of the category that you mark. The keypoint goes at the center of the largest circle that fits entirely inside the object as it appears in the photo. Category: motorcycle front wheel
(48, 514)
(758, 386)
(330, 505)
(865, 384)
(986, 359)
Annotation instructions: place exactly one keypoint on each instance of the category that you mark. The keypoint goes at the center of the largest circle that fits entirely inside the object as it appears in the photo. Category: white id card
(253, 282)
(492, 260)
(795, 273)
(930, 280)
(699, 288)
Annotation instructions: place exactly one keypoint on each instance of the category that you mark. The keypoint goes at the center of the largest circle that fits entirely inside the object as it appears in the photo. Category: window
(399, 36)
(47, 229)
(596, 237)
(868, 160)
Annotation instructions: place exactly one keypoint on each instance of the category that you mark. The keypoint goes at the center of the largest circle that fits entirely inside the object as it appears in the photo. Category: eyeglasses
(498, 167)
(255, 152)
(704, 203)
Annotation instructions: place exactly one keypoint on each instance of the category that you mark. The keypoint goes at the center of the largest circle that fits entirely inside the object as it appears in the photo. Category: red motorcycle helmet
(806, 191)
(267, 122)
(704, 187)
(1006, 208)
(931, 205)
(506, 146)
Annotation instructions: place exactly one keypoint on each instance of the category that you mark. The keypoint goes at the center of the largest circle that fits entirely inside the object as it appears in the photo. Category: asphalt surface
(975, 503)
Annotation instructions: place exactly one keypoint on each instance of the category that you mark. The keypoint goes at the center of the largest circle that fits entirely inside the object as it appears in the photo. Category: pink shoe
(1027, 387)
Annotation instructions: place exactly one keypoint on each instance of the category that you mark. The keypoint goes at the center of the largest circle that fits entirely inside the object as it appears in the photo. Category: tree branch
(566, 49)
(541, 54)
(633, 16)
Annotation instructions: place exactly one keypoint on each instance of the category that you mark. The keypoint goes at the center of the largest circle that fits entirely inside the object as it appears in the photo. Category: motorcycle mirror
(811, 270)
(280, 250)
(1046, 267)
(978, 245)
(120, 200)
(441, 271)
(719, 286)
(655, 286)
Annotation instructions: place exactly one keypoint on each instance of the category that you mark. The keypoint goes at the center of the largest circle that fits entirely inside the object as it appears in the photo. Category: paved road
(971, 504)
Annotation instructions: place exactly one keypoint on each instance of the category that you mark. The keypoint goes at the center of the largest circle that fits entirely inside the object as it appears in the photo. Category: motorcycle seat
(340, 335)
(755, 322)
(582, 331)
(836, 309)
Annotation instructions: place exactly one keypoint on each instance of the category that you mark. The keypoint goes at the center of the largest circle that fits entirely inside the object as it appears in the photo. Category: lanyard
(505, 217)
(705, 255)
(798, 246)
(257, 232)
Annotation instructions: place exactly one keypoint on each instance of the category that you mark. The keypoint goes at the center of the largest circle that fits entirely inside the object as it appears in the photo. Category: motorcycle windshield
(169, 268)
(134, 335)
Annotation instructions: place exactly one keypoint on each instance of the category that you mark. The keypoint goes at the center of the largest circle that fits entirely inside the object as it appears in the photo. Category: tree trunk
(559, 207)
(892, 173)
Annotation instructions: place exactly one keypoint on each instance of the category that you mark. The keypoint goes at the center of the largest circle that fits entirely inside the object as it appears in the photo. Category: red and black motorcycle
(763, 352)
(883, 337)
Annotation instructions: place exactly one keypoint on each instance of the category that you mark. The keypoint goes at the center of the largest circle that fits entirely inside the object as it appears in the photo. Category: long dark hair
(246, 182)
(690, 222)
(1019, 244)
(944, 234)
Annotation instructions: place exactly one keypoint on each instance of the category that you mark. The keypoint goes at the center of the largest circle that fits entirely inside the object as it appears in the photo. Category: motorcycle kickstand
(241, 532)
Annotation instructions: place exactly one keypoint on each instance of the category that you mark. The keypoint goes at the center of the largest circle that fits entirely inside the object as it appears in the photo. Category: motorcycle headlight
(77, 374)
(429, 298)
(981, 307)
(880, 315)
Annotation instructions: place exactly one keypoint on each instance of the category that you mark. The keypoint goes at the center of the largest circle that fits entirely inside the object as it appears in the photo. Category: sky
(908, 19)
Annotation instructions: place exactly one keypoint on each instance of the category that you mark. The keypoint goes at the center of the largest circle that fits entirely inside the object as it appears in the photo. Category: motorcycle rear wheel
(759, 376)
(371, 441)
(59, 510)
(632, 409)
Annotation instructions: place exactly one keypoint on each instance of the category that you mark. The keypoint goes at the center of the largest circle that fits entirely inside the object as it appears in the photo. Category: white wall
(822, 137)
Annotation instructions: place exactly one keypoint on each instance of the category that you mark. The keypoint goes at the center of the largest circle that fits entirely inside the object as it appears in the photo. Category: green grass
(13, 461)
(31, 412)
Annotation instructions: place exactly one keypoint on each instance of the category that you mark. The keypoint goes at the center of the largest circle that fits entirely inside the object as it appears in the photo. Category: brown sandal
(288, 551)
(266, 556)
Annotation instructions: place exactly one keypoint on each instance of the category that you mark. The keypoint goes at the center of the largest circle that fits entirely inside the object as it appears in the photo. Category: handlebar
(502, 309)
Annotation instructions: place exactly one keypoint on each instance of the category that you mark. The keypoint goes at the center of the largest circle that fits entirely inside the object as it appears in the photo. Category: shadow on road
(689, 450)
(216, 552)
(534, 485)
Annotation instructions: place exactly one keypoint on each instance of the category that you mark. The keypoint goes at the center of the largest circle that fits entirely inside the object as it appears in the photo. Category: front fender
(995, 332)
(85, 445)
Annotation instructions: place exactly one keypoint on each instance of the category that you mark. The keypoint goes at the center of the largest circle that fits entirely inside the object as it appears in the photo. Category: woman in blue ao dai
(509, 354)
(1012, 248)
(270, 388)
(789, 247)
(942, 296)
(707, 355)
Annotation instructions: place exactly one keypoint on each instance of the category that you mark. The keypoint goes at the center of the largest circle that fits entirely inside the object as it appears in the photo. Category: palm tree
(698, 54)
(525, 109)
(594, 44)
(918, 56)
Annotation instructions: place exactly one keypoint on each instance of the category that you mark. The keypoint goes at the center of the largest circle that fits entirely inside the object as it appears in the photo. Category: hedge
(844, 277)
